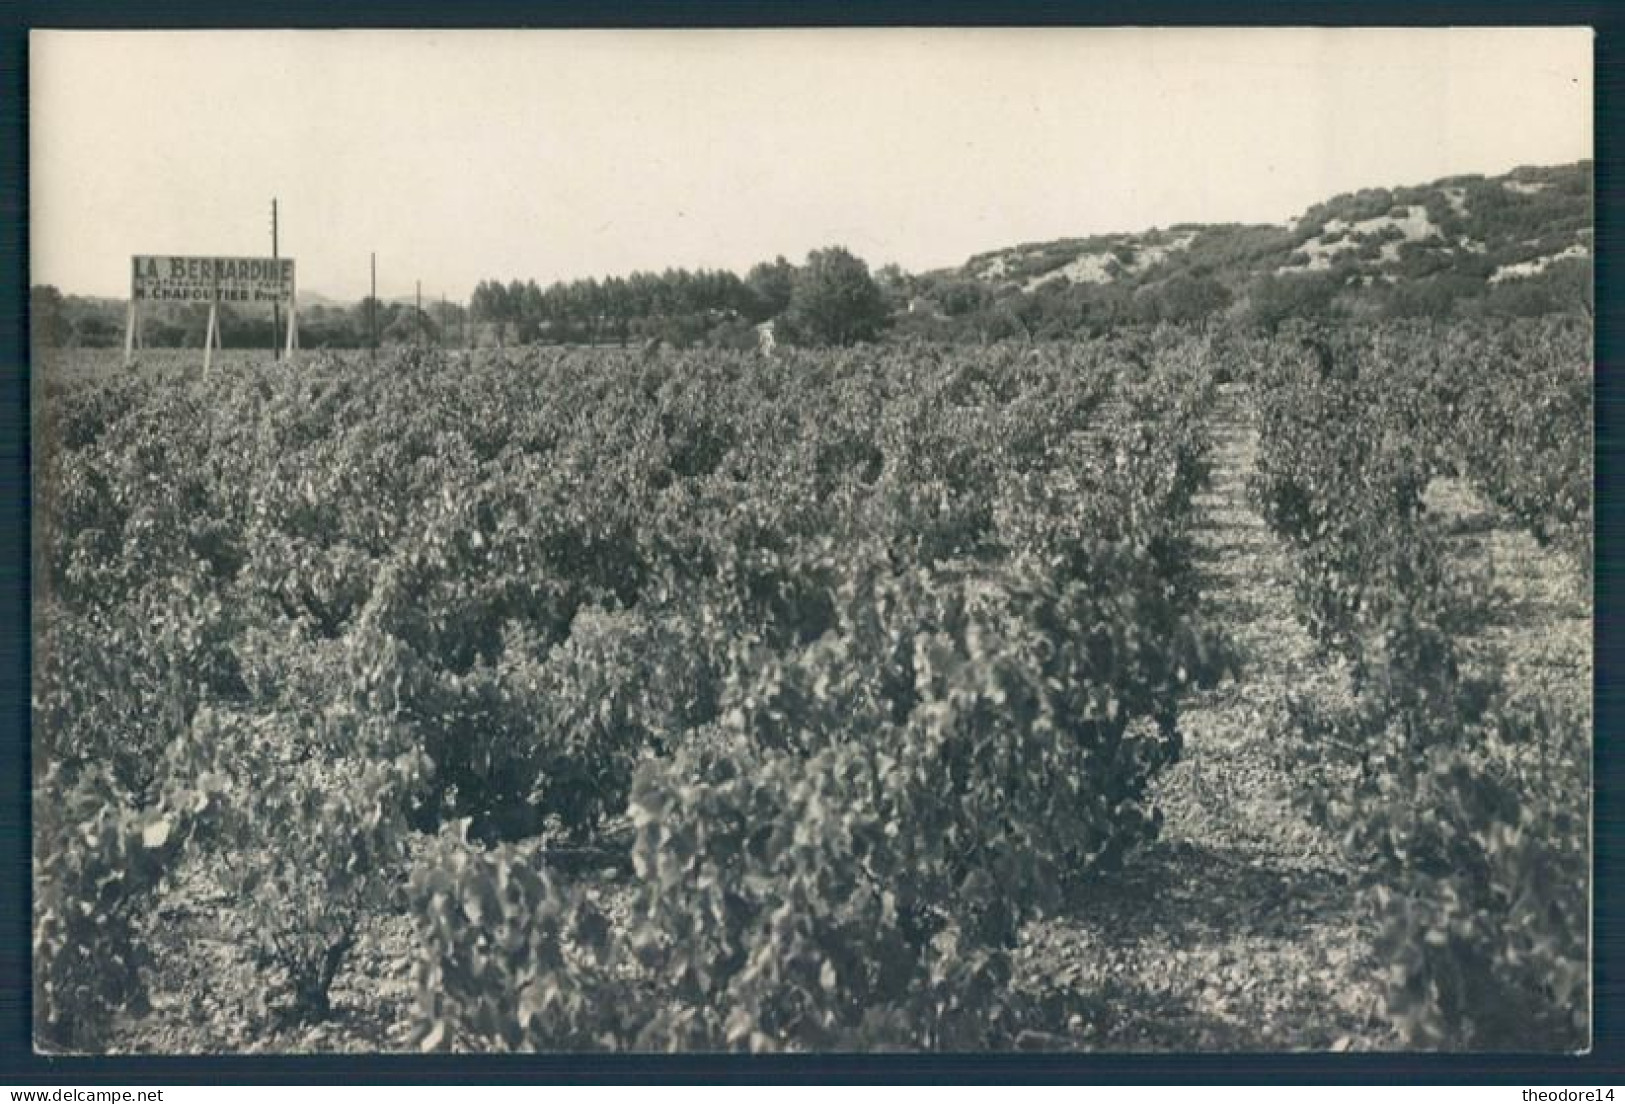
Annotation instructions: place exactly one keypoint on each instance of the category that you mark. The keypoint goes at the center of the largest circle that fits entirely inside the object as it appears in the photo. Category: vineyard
(1176, 689)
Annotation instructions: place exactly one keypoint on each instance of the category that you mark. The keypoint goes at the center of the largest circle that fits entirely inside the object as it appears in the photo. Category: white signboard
(237, 280)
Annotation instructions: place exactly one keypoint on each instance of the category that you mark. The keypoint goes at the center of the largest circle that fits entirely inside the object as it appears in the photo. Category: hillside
(1519, 243)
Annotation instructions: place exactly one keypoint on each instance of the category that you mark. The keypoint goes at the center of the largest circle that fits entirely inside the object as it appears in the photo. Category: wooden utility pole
(372, 312)
(276, 308)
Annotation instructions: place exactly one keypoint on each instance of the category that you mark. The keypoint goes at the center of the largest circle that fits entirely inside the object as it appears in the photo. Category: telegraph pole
(419, 318)
(276, 308)
(372, 312)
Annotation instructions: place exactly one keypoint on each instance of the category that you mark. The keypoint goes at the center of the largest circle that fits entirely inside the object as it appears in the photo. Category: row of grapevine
(1524, 427)
(875, 649)
(950, 712)
(1460, 797)
(1506, 406)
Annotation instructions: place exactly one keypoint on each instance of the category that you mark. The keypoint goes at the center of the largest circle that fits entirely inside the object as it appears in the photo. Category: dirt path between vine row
(1240, 928)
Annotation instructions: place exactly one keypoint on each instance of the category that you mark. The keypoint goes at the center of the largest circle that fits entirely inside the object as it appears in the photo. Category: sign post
(209, 333)
(293, 329)
(246, 281)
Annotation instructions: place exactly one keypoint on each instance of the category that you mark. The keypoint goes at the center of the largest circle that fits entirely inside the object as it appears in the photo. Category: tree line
(831, 299)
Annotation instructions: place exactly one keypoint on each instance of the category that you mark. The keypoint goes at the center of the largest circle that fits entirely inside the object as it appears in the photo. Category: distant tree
(479, 302)
(490, 303)
(1274, 299)
(897, 288)
(410, 326)
(526, 308)
(1183, 299)
(1573, 285)
(835, 301)
(961, 297)
(93, 331)
(893, 280)
(771, 285)
(235, 329)
(331, 328)
(1563, 288)
(733, 332)
(368, 311)
(1429, 298)
(516, 305)
(48, 327)
(161, 333)
(618, 307)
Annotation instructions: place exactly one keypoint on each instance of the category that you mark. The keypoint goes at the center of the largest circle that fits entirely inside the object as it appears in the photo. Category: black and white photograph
(930, 540)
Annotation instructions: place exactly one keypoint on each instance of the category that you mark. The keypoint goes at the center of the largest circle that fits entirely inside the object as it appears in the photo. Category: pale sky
(461, 155)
